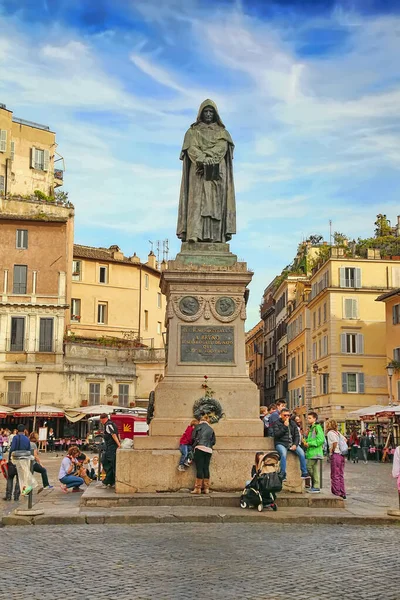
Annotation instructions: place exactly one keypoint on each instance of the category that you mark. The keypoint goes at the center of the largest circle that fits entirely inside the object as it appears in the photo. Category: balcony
(94, 400)
(15, 398)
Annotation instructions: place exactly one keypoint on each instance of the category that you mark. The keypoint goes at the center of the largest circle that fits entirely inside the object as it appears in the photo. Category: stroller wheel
(260, 507)
(274, 507)
(243, 504)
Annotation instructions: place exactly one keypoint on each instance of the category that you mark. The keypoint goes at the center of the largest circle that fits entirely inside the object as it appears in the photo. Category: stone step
(107, 498)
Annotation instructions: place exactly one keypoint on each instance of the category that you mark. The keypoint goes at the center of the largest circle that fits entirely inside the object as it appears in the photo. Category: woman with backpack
(336, 444)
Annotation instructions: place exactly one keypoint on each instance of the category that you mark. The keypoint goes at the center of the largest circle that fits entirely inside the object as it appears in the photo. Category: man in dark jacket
(274, 415)
(112, 443)
(19, 442)
(286, 437)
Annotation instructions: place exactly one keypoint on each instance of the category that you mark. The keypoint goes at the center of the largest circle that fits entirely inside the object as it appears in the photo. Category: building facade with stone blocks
(391, 300)
(29, 160)
(348, 347)
(114, 296)
(36, 240)
(299, 350)
(267, 312)
(254, 356)
(283, 295)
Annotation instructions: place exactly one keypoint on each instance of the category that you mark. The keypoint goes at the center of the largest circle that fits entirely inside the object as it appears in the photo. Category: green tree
(382, 226)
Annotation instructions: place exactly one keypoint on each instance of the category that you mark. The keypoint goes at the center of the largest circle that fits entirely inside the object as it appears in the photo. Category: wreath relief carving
(223, 308)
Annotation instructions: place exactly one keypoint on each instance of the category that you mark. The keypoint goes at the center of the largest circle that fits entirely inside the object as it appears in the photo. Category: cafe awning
(97, 409)
(373, 411)
(42, 410)
(4, 411)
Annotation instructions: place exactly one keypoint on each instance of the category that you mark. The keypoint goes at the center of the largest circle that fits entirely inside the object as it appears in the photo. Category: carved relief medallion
(189, 306)
(225, 306)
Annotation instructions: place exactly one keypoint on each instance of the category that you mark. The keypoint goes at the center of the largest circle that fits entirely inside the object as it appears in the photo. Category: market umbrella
(4, 411)
(368, 411)
(42, 410)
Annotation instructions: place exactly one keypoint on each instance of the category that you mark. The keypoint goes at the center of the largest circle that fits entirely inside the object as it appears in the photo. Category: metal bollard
(30, 495)
(320, 473)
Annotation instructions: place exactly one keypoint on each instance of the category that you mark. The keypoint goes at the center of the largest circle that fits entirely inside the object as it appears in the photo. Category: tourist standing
(364, 445)
(37, 465)
(51, 438)
(185, 445)
(287, 438)
(396, 466)
(336, 459)
(314, 445)
(203, 442)
(112, 443)
(354, 443)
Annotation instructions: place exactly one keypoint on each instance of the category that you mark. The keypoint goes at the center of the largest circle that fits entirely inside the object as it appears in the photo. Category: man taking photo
(112, 443)
(287, 438)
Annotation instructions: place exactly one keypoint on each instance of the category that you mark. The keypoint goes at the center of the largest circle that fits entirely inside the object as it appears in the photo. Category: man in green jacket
(314, 451)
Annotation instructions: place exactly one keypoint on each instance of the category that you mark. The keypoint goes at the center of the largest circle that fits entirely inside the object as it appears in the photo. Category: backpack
(343, 447)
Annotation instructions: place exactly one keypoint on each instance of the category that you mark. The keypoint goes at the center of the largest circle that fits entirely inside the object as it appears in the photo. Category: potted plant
(110, 402)
(84, 403)
(132, 404)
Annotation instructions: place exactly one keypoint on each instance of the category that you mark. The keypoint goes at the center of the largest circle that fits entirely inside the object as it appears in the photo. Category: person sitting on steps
(287, 438)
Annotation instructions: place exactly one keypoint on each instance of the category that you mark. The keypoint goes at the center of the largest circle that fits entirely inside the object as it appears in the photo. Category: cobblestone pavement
(199, 561)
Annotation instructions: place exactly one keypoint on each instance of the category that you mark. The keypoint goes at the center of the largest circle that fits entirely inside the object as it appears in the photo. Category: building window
(2, 184)
(350, 277)
(102, 313)
(320, 348)
(352, 343)
(103, 275)
(46, 335)
(3, 140)
(75, 309)
(314, 351)
(396, 355)
(353, 383)
(76, 270)
(325, 312)
(12, 154)
(396, 314)
(22, 239)
(20, 277)
(319, 316)
(159, 328)
(350, 308)
(159, 301)
(94, 393)
(325, 383)
(325, 345)
(14, 393)
(314, 319)
(123, 394)
(40, 159)
(17, 334)
(146, 281)
(146, 320)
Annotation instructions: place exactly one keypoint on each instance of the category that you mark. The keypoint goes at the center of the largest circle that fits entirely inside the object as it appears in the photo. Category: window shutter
(313, 391)
(347, 308)
(33, 153)
(357, 282)
(342, 275)
(360, 343)
(12, 150)
(344, 383)
(394, 309)
(354, 309)
(343, 342)
(46, 160)
(396, 354)
(395, 277)
(2, 184)
(3, 140)
(361, 385)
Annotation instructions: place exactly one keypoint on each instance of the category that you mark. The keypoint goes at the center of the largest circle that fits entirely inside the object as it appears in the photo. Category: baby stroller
(266, 483)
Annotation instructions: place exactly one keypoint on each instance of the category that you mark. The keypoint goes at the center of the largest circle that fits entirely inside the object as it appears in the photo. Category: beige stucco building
(29, 160)
(391, 300)
(114, 296)
(254, 356)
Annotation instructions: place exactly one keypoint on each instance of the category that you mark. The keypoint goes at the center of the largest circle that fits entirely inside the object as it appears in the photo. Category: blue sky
(309, 90)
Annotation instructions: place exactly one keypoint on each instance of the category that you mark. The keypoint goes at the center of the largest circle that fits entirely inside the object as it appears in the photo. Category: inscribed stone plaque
(207, 344)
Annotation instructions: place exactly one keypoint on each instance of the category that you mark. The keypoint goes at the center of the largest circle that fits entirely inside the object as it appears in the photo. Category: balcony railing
(15, 398)
(95, 399)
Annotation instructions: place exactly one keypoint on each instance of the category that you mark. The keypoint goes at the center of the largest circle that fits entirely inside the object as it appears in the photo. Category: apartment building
(298, 350)
(283, 295)
(254, 356)
(29, 160)
(267, 312)
(36, 240)
(348, 348)
(391, 301)
(114, 296)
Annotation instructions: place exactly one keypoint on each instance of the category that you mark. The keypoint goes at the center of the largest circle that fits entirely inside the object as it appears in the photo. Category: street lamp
(38, 371)
(390, 372)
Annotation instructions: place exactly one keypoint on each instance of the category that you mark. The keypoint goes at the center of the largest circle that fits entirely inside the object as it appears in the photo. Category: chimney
(116, 253)
(151, 261)
(134, 258)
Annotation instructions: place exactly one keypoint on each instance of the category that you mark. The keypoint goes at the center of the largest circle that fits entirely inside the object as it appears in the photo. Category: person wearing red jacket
(185, 445)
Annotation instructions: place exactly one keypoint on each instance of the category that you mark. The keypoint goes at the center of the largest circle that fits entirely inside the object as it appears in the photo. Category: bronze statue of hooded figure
(207, 211)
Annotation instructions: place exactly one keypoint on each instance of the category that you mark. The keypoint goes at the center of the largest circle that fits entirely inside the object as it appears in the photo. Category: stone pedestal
(205, 289)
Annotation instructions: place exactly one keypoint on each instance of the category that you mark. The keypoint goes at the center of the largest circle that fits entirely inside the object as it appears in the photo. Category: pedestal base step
(99, 497)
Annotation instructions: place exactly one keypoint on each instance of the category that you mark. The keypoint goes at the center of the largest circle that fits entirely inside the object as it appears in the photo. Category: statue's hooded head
(208, 104)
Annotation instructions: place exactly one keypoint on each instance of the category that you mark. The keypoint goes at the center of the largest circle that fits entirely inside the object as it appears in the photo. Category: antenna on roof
(330, 231)
(151, 245)
(165, 249)
(158, 250)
